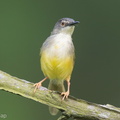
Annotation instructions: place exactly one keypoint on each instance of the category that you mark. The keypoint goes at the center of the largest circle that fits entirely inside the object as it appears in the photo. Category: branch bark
(72, 107)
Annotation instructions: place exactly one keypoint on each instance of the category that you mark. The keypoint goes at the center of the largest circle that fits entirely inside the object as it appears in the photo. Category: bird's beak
(73, 23)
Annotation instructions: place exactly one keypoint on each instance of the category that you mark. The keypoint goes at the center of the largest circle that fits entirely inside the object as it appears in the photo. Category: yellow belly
(55, 67)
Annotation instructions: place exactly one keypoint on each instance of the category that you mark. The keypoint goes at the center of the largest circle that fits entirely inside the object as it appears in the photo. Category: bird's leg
(66, 94)
(37, 85)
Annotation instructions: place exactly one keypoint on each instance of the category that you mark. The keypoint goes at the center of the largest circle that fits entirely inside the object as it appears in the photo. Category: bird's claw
(65, 95)
(37, 86)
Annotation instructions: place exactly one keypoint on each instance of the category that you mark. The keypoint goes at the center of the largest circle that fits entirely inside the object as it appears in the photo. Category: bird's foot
(65, 95)
(37, 86)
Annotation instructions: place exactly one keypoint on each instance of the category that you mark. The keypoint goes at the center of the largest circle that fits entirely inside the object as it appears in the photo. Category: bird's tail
(56, 87)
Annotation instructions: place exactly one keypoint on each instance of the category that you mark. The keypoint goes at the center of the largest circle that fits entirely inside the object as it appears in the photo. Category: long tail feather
(56, 87)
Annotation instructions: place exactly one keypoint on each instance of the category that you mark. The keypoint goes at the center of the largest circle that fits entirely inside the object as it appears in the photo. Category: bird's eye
(62, 23)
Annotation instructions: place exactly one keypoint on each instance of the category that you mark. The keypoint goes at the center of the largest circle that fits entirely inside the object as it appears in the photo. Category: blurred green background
(25, 24)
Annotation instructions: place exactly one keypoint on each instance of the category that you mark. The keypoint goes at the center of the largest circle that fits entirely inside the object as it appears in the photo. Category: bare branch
(76, 108)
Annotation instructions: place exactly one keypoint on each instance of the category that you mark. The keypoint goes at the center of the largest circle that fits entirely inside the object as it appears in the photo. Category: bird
(57, 57)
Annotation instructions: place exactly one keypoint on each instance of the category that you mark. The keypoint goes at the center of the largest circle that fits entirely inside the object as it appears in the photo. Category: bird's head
(65, 26)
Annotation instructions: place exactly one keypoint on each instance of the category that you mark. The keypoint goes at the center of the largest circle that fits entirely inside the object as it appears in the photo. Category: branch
(76, 108)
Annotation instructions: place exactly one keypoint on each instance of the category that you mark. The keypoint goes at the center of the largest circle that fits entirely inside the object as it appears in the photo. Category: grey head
(65, 26)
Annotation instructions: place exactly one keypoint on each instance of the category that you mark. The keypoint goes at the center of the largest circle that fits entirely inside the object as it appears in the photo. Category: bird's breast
(60, 45)
(57, 59)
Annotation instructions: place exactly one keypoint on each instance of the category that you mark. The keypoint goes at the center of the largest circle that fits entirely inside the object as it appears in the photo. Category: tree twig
(72, 107)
